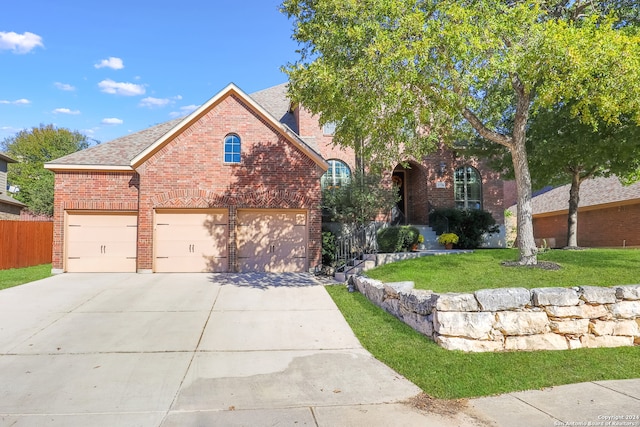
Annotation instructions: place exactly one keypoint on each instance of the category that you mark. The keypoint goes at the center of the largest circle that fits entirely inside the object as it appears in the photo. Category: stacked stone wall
(514, 318)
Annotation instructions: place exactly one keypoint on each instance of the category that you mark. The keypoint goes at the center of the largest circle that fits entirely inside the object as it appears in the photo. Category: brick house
(10, 208)
(608, 214)
(234, 186)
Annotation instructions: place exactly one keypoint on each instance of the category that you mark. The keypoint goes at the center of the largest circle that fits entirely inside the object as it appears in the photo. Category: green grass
(482, 269)
(449, 374)
(19, 276)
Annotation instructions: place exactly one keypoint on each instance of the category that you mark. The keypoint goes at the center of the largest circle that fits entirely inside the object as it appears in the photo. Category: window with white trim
(232, 148)
(468, 188)
(337, 175)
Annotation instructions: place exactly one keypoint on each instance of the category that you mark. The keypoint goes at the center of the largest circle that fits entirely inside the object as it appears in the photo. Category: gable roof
(128, 152)
(6, 158)
(594, 193)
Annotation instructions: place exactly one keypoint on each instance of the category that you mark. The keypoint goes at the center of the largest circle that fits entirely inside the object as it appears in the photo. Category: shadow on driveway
(265, 280)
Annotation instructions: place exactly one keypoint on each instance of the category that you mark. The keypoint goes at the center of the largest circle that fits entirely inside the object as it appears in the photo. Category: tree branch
(484, 131)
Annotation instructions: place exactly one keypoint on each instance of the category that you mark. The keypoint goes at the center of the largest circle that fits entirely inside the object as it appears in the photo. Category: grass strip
(482, 269)
(19, 276)
(448, 374)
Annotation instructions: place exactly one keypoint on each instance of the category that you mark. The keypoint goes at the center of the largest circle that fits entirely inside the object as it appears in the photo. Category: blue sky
(111, 68)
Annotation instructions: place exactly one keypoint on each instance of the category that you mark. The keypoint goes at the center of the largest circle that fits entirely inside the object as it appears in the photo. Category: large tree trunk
(526, 241)
(574, 200)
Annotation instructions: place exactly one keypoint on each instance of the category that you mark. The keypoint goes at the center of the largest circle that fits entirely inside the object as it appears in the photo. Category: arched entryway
(412, 208)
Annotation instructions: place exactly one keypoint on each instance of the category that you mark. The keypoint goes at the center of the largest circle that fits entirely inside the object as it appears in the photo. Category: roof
(10, 200)
(593, 193)
(6, 158)
(127, 152)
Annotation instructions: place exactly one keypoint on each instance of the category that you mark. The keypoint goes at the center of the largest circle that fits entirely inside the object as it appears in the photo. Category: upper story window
(337, 175)
(329, 128)
(468, 188)
(232, 148)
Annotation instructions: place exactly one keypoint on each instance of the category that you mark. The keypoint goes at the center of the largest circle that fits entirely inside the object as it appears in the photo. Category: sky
(110, 68)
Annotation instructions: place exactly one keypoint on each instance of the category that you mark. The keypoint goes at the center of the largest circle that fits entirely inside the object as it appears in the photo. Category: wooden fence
(25, 243)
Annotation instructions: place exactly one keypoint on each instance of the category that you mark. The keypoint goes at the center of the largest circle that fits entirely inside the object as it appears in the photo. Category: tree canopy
(403, 75)
(32, 148)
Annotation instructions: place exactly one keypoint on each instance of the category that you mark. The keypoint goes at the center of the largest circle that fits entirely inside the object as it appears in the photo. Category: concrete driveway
(191, 350)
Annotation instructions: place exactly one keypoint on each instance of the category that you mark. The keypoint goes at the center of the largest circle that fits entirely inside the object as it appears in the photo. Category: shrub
(328, 248)
(397, 238)
(469, 224)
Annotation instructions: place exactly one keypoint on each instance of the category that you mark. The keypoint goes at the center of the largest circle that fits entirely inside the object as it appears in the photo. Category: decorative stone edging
(514, 318)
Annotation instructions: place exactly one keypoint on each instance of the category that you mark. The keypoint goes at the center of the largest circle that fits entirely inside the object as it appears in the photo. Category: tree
(360, 201)
(405, 74)
(562, 150)
(32, 148)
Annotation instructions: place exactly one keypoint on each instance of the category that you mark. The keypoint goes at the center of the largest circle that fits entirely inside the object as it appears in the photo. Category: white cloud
(112, 121)
(112, 62)
(64, 86)
(66, 111)
(121, 88)
(187, 109)
(152, 102)
(21, 101)
(19, 43)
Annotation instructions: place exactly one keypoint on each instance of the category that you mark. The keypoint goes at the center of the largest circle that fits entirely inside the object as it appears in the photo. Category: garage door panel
(272, 241)
(101, 242)
(191, 241)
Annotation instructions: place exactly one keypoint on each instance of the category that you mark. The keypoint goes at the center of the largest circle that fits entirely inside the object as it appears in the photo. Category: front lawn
(454, 374)
(19, 276)
(482, 269)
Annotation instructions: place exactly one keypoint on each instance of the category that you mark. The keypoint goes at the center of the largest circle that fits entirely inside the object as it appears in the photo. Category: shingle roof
(10, 200)
(121, 151)
(593, 192)
(7, 159)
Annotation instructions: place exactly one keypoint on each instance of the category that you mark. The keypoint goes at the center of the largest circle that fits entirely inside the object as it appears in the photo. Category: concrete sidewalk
(229, 350)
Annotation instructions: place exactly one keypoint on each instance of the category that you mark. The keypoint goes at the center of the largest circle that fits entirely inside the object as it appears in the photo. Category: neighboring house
(234, 186)
(9, 207)
(608, 214)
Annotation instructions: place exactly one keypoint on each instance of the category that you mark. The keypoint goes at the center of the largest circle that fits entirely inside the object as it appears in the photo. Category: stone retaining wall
(514, 318)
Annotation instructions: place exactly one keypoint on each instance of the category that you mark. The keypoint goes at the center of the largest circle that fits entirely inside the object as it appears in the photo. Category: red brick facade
(606, 226)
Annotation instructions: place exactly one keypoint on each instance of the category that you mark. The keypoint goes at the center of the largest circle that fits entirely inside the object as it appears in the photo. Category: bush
(328, 248)
(469, 224)
(397, 238)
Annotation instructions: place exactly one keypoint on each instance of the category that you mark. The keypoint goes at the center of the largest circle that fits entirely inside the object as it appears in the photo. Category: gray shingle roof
(120, 151)
(593, 192)
(10, 200)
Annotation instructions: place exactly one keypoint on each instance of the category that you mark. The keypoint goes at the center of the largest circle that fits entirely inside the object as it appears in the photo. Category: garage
(101, 242)
(272, 240)
(191, 240)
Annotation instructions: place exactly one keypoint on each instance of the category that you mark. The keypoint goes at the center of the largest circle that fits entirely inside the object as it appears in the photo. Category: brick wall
(96, 191)
(615, 226)
(189, 172)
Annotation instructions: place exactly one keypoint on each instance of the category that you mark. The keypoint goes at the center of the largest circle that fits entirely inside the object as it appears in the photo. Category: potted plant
(416, 246)
(448, 240)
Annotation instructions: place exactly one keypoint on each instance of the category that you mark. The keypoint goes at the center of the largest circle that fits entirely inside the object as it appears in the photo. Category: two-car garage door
(191, 240)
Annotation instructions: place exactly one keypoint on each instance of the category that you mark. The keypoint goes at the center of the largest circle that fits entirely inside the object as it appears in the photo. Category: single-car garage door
(191, 240)
(101, 242)
(272, 240)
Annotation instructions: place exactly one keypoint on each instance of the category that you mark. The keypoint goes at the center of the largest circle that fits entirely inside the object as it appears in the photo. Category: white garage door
(192, 240)
(272, 241)
(101, 242)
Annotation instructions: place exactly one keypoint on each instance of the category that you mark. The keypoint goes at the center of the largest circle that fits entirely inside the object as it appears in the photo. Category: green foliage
(32, 148)
(328, 247)
(445, 238)
(397, 238)
(469, 224)
(360, 201)
(405, 75)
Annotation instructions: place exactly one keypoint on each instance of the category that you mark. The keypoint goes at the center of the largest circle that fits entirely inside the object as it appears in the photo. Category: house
(234, 186)
(608, 214)
(10, 208)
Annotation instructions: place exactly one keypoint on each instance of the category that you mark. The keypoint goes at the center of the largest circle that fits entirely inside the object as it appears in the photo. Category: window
(232, 148)
(337, 175)
(468, 188)
(329, 128)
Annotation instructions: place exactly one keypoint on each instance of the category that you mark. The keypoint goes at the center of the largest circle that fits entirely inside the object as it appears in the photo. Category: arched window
(337, 175)
(468, 188)
(232, 148)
